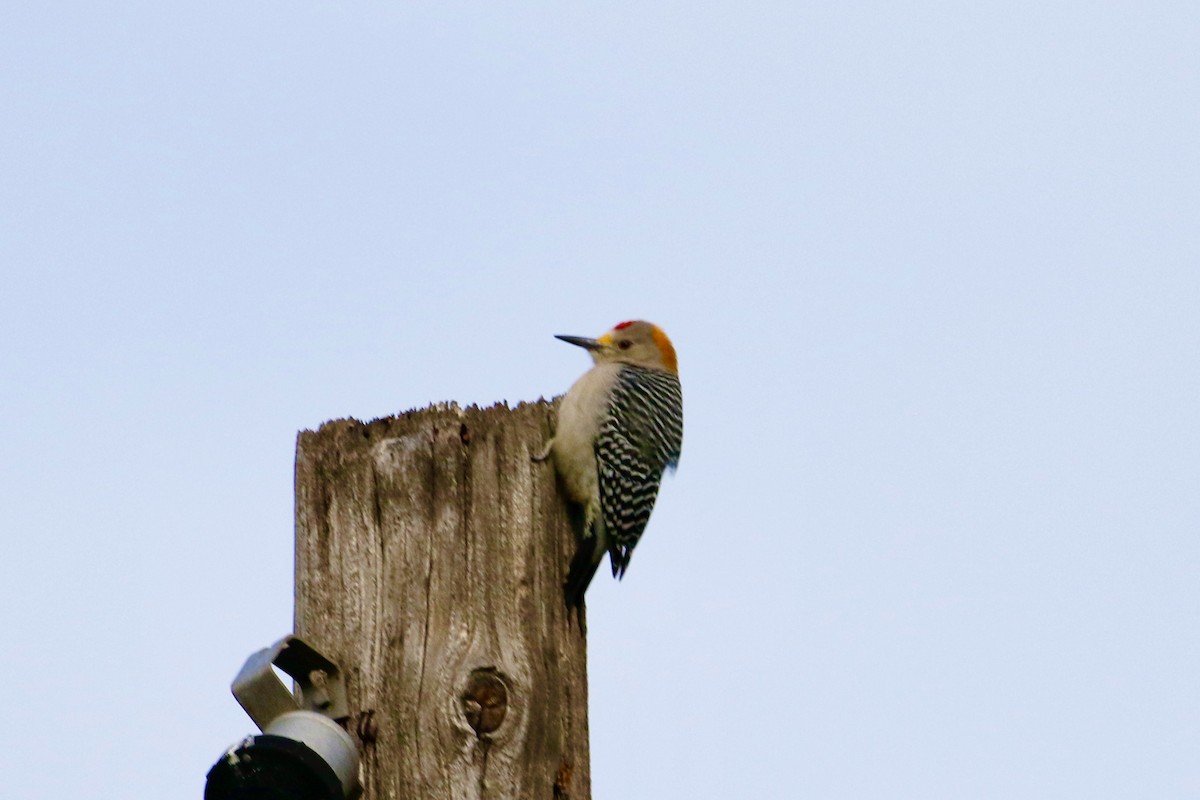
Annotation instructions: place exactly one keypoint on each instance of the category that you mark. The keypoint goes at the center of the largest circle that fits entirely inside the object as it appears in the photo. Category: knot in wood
(485, 702)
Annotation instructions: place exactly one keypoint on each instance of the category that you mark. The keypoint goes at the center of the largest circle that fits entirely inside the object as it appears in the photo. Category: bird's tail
(583, 567)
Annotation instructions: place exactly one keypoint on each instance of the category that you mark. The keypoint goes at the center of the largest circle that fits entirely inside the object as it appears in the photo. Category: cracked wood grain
(430, 554)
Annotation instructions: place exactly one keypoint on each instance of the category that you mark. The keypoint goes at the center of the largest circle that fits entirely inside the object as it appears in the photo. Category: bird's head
(637, 342)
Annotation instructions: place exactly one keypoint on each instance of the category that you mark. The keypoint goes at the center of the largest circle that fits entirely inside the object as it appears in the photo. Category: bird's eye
(624, 344)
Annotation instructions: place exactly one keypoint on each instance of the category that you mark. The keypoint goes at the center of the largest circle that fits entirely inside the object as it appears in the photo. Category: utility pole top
(430, 557)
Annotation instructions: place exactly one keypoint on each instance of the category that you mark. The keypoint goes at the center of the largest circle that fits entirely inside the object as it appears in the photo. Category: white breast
(579, 417)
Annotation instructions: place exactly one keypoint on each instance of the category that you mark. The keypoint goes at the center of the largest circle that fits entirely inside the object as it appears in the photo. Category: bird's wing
(638, 439)
(628, 489)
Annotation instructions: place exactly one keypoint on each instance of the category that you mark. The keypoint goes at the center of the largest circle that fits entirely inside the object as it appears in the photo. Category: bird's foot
(541, 456)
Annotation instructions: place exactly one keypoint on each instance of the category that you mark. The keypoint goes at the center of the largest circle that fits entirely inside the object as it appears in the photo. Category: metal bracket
(264, 697)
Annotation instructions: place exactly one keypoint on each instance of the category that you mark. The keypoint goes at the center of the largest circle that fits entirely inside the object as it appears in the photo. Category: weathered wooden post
(430, 555)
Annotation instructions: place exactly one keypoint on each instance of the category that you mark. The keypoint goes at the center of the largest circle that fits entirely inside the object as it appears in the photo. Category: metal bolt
(367, 727)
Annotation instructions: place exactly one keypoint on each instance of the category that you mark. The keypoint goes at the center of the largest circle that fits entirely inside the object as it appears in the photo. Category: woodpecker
(620, 426)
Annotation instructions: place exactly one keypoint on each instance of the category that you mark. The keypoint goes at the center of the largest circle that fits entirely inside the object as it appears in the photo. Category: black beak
(581, 341)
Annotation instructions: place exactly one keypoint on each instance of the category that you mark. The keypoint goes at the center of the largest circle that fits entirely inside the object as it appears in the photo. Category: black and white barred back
(639, 438)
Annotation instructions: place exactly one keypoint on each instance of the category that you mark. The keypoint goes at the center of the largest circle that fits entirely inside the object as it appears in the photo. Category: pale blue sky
(933, 271)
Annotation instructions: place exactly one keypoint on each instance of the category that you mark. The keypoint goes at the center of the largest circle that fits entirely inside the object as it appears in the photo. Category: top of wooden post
(430, 555)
